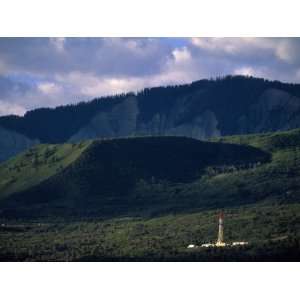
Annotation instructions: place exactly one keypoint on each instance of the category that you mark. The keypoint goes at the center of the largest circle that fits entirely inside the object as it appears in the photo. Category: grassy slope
(36, 165)
(275, 182)
(278, 180)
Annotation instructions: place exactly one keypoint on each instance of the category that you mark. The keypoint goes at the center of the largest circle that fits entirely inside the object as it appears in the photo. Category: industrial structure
(220, 241)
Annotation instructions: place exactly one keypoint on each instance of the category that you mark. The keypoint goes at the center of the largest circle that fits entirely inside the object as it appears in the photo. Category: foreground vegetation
(272, 231)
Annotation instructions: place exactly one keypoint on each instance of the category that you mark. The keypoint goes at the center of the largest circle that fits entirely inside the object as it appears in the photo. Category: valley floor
(273, 233)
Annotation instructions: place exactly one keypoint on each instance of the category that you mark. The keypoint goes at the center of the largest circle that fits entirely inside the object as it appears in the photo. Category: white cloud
(88, 85)
(58, 43)
(38, 72)
(49, 88)
(2, 67)
(288, 50)
(233, 46)
(181, 55)
(246, 71)
(7, 108)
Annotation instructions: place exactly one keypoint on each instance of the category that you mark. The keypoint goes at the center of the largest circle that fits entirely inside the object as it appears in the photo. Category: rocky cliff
(123, 120)
(275, 110)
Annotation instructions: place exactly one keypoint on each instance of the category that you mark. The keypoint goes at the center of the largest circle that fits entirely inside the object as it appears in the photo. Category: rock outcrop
(123, 121)
(275, 110)
(120, 121)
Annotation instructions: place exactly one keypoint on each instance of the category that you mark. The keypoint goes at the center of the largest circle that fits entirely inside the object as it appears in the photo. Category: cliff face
(275, 110)
(119, 121)
(123, 120)
(12, 143)
(201, 110)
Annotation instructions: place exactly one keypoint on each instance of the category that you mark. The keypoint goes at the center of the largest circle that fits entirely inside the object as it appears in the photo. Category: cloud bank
(39, 72)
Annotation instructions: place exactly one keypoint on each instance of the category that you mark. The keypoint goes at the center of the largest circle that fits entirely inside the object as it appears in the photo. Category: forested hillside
(107, 176)
(202, 109)
(151, 176)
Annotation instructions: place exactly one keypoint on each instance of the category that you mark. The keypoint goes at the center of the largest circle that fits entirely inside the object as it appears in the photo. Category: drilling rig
(220, 241)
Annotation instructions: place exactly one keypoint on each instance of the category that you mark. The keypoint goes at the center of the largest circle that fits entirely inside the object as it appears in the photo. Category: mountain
(203, 109)
(147, 198)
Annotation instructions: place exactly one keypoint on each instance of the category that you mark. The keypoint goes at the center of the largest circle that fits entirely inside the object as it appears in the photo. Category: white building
(208, 245)
(239, 243)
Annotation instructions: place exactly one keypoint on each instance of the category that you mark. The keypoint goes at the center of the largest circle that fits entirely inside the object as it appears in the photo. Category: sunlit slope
(36, 165)
(270, 142)
(278, 180)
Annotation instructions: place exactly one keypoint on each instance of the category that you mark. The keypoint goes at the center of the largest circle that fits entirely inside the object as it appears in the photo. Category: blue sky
(39, 72)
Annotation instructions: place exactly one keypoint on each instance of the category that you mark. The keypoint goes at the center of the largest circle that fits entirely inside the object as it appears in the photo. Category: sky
(47, 72)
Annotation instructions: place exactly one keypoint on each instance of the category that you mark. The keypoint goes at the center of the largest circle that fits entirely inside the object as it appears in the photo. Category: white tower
(220, 241)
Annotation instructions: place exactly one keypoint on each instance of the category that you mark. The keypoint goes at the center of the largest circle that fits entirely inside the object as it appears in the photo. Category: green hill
(148, 198)
(119, 176)
(36, 165)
